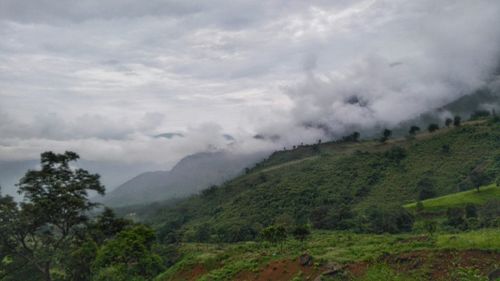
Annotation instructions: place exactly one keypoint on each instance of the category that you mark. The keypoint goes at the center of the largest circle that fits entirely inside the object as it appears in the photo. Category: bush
(489, 214)
(387, 219)
(396, 154)
(455, 218)
(128, 254)
(425, 188)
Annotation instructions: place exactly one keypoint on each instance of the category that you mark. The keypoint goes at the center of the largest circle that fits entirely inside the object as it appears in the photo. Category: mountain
(335, 181)
(190, 175)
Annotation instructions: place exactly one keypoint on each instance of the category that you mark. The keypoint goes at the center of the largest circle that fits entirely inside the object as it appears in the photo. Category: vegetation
(336, 188)
(50, 236)
(357, 209)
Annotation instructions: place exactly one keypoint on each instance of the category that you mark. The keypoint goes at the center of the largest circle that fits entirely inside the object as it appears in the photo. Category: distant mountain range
(190, 175)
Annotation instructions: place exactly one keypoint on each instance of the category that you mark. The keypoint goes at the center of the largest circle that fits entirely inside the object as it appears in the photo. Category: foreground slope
(356, 257)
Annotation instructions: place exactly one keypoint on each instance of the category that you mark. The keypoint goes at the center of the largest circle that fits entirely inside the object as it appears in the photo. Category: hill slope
(336, 180)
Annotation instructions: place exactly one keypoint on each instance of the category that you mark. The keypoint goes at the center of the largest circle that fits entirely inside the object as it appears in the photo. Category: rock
(306, 260)
(332, 269)
(494, 275)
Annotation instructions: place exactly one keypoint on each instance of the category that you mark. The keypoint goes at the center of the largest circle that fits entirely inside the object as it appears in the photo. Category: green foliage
(479, 178)
(386, 219)
(332, 189)
(430, 226)
(425, 188)
(275, 234)
(456, 218)
(460, 199)
(55, 207)
(468, 274)
(383, 272)
(130, 253)
(301, 232)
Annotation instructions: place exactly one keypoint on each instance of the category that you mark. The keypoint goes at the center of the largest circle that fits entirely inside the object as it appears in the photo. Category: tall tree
(55, 205)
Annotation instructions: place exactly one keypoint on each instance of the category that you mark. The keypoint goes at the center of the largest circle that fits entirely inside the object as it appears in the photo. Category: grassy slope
(357, 174)
(228, 261)
(460, 199)
(224, 262)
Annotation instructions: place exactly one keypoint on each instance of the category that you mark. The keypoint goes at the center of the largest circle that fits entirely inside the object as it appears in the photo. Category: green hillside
(460, 199)
(335, 182)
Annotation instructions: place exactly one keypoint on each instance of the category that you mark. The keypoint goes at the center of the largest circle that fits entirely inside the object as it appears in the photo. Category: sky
(105, 77)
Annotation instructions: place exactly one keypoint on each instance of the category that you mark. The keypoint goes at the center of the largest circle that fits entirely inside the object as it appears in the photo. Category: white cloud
(103, 77)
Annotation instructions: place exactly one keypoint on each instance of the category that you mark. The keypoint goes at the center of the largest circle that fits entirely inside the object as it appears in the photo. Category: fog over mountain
(106, 78)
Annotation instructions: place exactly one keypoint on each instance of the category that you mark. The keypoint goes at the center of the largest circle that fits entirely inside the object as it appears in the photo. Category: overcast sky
(103, 77)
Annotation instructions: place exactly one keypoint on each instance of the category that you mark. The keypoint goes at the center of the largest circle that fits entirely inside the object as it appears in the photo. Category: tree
(301, 232)
(470, 211)
(478, 179)
(455, 218)
(413, 130)
(425, 189)
(127, 256)
(432, 127)
(386, 133)
(457, 121)
(448, 122)
(387, 218)
(55, 206)
(275, 234)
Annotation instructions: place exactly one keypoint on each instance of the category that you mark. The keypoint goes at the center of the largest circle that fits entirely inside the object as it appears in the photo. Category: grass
(460, 199)
(485, 239)
(223, 262)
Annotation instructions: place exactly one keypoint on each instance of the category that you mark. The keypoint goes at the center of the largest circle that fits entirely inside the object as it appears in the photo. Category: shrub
(387, 219)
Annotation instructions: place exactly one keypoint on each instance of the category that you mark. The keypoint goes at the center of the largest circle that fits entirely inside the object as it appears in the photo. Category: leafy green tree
(301, 232)
(129, 255)
(425, 189)
(387, 219)
(470, 211)
(478, 178)
(202, 233)
(489, 214)
(275, 234)
(457, 121)
(433, 127)
(55, 205)
(455, 218)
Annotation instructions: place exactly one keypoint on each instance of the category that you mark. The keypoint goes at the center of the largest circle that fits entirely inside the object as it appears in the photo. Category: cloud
(104, 77)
